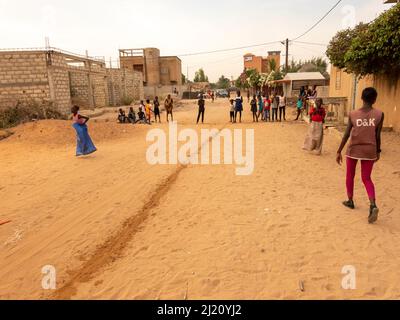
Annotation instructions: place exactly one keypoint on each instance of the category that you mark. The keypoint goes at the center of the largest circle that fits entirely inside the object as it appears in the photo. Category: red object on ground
(4, 222)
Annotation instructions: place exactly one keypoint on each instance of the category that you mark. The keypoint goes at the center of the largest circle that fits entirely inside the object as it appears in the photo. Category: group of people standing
(146, 110)
(267, 107)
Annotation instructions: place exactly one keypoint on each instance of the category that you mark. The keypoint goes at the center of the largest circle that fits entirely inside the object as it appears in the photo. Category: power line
(310, 50)
(226, 58)
(226, 50)
(311, 43)
(319, 21)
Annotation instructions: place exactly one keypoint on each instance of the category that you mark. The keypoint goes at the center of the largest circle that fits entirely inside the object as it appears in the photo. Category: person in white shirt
(282, 107)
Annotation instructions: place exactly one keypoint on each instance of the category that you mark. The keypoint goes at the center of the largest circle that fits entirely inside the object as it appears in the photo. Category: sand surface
(115, 227)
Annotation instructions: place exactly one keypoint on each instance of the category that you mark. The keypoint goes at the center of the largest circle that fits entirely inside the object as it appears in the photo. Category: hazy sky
(178, 27)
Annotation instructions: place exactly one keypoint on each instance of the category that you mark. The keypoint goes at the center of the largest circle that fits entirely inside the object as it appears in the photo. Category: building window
(138, 67)
(338, 79)
(164, 70)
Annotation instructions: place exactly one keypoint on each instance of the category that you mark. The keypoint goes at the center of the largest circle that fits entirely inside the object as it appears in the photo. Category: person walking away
(275, 106)
(238, 106)
(299, 107)
(282, 107)
(267, 109)
(84, 144)
(315, 137)
(157, 113)
(169, 107)
(202, 108)
(253, 105)
(232, 112)
(364, 131)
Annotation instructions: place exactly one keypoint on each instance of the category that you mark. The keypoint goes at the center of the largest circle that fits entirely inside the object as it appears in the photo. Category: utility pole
(287, 55)
(47, 43)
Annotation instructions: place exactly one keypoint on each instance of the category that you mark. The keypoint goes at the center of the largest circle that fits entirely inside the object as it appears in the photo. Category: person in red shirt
(318, 113)
(315, 136)
(267, 109)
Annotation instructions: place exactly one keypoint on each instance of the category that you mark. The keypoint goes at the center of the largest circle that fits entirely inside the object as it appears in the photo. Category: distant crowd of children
(144, 115)
(272, 108)
(263, 107)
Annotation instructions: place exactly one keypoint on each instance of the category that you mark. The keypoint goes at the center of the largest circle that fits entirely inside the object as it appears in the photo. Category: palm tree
(272, 65)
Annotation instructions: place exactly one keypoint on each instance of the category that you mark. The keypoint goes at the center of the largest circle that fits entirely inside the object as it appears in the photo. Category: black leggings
(232, 115)
(201, 114)
(282, 110)
(299, 112)
(255, 116)
(236, 114)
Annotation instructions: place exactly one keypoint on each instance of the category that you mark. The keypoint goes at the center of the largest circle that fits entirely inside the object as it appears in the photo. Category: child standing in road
(253, 104)
(299, 108)
(232, 112)
(157, 113)
(148, 111)
(267, 109)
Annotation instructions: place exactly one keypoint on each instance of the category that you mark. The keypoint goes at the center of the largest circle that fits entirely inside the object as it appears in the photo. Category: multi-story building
(161, 75)
(262, 64)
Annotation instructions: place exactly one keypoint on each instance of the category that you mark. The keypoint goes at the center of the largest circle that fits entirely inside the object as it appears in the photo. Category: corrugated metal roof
(304, 76)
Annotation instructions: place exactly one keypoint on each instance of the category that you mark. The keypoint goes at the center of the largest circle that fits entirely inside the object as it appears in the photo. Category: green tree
(377, 50)
(294, 66)
(369, 49)
(223, 83)
(341, 43)
(316, 64)
(253, 78)
(272, 65)
(200, 76)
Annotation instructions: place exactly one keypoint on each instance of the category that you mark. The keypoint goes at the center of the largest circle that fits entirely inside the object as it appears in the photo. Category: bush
(28, 111)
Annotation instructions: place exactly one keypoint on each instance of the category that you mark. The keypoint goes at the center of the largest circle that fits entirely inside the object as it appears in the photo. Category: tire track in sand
(114, 246)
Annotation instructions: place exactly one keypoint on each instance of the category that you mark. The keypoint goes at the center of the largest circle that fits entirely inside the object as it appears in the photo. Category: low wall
(389, 100)
(150, 92)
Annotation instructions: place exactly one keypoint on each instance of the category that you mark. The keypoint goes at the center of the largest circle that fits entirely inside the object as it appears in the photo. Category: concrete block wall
(124, 83)
(79, 83)
(89, 85)
(46, 75)
(116, 89)
(99, 88)
(60, 91)
(23, 77)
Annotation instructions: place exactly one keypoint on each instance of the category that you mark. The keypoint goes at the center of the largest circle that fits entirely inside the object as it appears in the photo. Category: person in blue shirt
(239, 106)
(299, 108)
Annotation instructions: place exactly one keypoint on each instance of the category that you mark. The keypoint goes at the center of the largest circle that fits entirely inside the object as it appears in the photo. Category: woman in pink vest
(364, 129)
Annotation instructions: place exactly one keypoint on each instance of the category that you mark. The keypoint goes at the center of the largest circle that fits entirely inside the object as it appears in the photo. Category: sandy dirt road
(115, 227)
